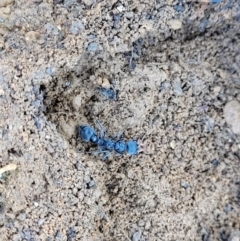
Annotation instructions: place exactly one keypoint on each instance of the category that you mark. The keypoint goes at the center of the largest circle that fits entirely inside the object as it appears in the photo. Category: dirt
(173, 72)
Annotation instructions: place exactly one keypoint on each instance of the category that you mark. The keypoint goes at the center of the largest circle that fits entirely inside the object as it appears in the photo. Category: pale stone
(232, 116)
(175, 24)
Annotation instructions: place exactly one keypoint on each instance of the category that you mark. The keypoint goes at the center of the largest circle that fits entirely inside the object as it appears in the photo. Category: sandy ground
(174, 70)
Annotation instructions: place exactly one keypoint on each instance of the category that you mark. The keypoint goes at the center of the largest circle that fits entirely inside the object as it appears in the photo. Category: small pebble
(37, 122)
(21, 217)
(32, 35)
(69, 2)
(100, 213)
(2, 92)
(215, 162)
(106, 83)
(141, 223)
(234, 238)
(120, 8)
(51, 29)
(58, 235)
(164, 169)
(41, 222)
(76, 28)
(80, 196)
(99, 80)
(165, 85)
(232, 116)
(132, 65)
(203, 25)
(71, 234)
(92, 47)
(172, 144)
(149, 16)
(178, 8)
(77, 102)
(184, 184)
(79, 166)
(36, 204)
(177, 87)
(37, 103)
(90, 184)
(75, 190)
(136, 236)
(147, 225)
(175, 24)
(50, 71)
(116, 19)
(228, 208)
(217, 89)
(97, 194)
(129, 15)
(91, 36)
(27, 235)
(67, 83)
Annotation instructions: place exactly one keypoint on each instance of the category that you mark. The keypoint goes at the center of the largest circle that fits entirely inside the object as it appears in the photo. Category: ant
(87, 134)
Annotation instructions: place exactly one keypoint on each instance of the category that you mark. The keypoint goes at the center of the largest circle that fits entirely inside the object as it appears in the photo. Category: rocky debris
(173, 80)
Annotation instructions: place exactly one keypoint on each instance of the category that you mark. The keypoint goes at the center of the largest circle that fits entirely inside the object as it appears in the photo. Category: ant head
(85, 132)
(132, 147)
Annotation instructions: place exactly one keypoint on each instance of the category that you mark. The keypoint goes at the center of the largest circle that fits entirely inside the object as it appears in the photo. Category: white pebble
(41, 222)
(92, 47)
(175, 24)
(106, 83)
(147, 225)
(97, 193)
(172, 144)
(120, 8)
(232, 116)
(36, 204)
(136, 236)
(141, 223)
(77, 102)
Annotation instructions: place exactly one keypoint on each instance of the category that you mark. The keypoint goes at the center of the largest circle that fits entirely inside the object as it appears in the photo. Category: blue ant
(88, 134)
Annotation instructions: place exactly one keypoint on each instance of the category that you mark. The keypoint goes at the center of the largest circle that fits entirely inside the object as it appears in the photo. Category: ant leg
(120, 133)
(101, 128)
(97, 152)
(106, 155)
